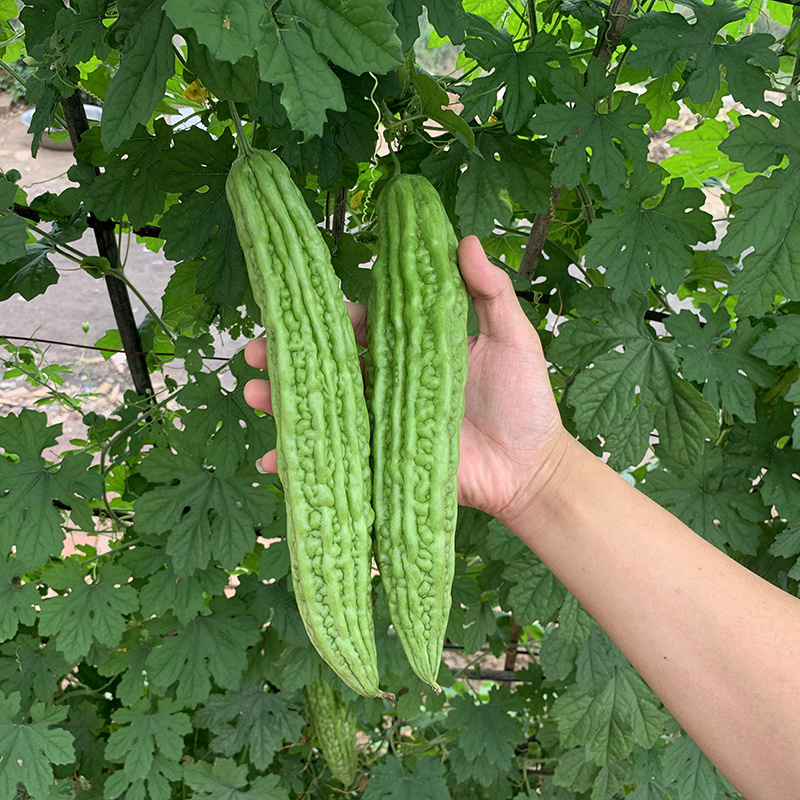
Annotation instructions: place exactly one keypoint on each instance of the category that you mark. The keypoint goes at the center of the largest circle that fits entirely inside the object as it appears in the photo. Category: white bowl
(93, 113)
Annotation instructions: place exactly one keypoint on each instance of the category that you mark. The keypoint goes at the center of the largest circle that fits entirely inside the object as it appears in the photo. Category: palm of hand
(511, 430)
(511, 424)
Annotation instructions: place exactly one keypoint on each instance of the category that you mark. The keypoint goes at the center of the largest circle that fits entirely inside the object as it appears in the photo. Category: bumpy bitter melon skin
(416, 374)
(333, 725)
(320, 414)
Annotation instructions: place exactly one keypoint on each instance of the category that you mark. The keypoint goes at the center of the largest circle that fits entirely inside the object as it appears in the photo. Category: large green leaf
(513, 69)
(212, 645)
(644, 242)
(88, 612)
(767, 219)
(390, 781)
(30, 747)
(717, 358)
(230, 29)
(29, 521)
(610, 137)
(631, 369)
(252, 718)
(358, 35)
(148, 61)
(145, 731)
(662, 39)
(227, 780)
(201, 513)
(710, 499)
(310, 86)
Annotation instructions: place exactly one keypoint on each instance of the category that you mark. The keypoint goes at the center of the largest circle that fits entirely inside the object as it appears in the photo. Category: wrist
(547, 490)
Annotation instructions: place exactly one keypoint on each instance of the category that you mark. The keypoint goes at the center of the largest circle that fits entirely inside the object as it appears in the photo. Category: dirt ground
(59, 313)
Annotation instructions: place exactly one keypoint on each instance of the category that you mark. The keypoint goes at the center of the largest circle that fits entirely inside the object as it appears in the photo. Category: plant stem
(533, 26)
(241, 136)
(782, 386)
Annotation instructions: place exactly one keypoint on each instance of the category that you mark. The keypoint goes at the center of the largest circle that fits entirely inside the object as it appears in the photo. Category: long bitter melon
(320, 413)
(416, 373)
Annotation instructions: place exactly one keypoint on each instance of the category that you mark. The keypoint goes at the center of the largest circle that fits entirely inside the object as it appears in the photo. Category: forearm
(719, 645)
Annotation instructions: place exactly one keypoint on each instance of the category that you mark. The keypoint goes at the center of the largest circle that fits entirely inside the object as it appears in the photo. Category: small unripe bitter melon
(333, 725)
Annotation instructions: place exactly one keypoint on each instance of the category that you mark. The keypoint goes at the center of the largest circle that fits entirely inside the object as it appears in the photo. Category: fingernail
(260, 467)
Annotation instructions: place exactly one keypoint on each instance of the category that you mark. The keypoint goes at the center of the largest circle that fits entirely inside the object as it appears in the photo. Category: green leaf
(753, 448)
(688, 774)
(347, 258)
(646, 242)
(89, 612)
(85, 724)
(433, 99)
(32, 670)
(13, 237)
(611, 779)
(597, 659)
(29, 749)
(197, 166)
(727, 371)
(529, 171)
(186, 596)
(358, 35)
(574, 771)
(644, 373)
(203, 513)
(252, 718)
(154, 785)
(479, 202)
(557, 655)
(767, 219)
(144, 732)
(780, 345)
(28, 519)
(17, 599)
(513, 69)
(148, 61)
(710, 499)
(659, 99)
(226, 779)
(310, 87)
(390, 781)
(230, 29)
(30, 274)
(536, 594)
(610, 137)
(237, 82)
(662, 39)
(208, 646)
(82, 26)
(609, 724)
(701, 157)
(231, 429)
(125, 187)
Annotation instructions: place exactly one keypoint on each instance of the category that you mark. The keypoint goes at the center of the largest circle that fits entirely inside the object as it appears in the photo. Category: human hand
(512, 438)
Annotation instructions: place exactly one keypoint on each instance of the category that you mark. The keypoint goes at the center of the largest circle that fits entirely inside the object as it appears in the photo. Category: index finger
(255, 351)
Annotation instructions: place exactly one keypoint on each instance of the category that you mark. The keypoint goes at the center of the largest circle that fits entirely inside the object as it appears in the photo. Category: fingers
(268, 463)
(255, 353)
(258, 395)
(358, 316)
(496, 306)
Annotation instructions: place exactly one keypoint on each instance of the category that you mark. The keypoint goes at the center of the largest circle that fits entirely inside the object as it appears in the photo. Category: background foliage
(168, 662)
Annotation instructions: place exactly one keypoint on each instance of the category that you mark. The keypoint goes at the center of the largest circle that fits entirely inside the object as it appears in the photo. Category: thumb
(499, 313)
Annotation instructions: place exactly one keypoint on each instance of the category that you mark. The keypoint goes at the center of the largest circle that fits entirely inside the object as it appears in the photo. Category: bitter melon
(416, 374)
(320, 413)
(333, 724)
